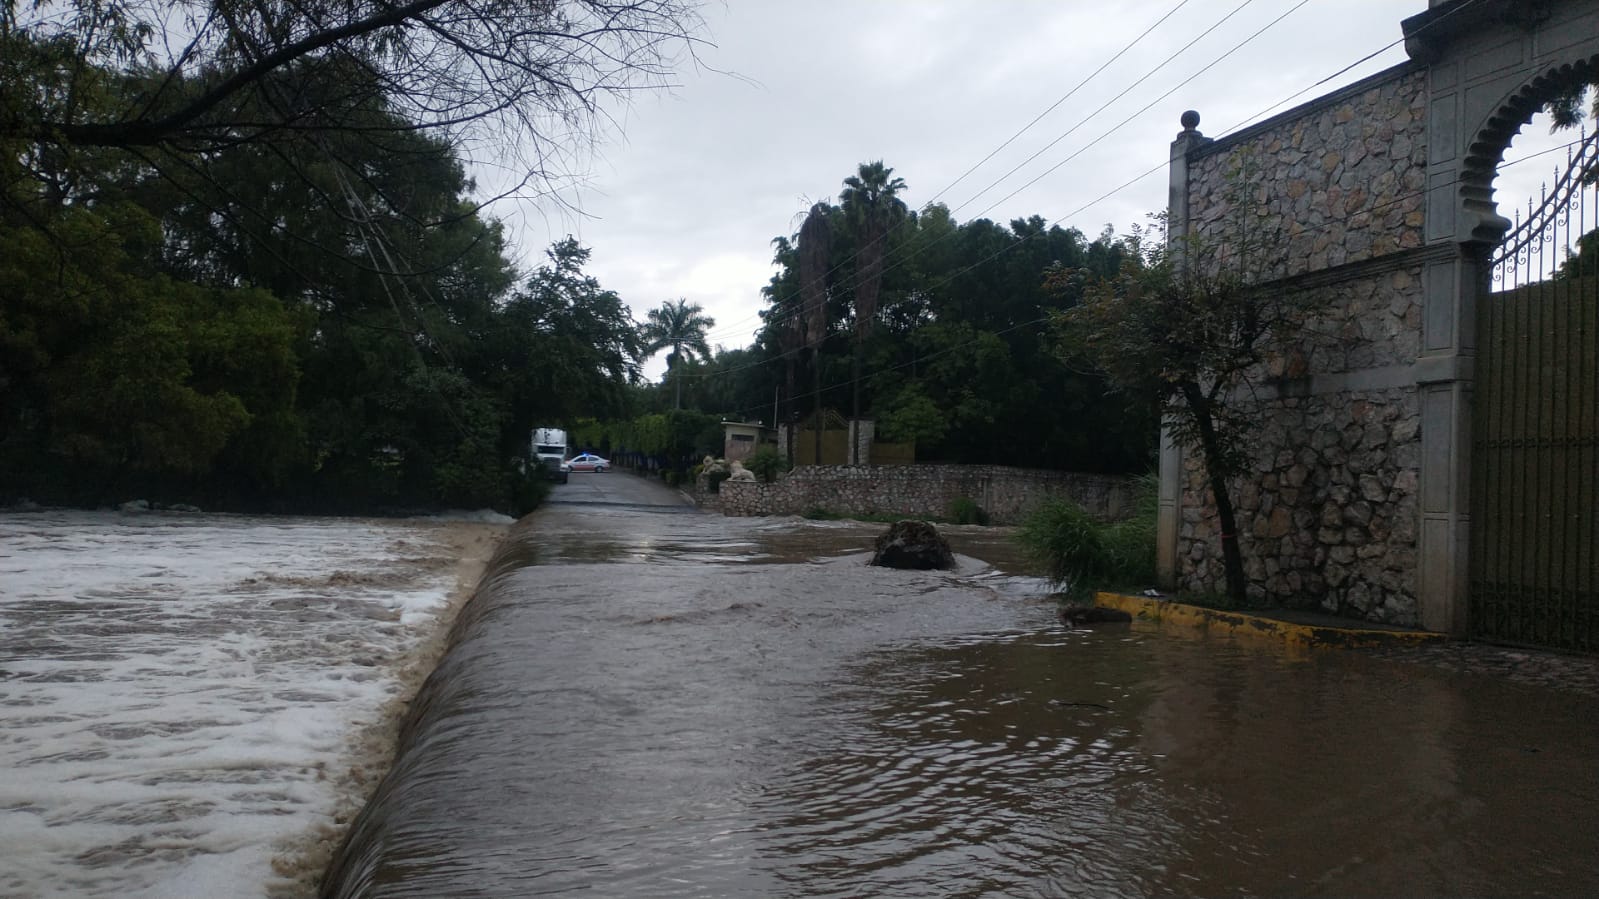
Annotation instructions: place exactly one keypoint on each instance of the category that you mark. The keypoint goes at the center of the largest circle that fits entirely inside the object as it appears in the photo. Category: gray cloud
(686, 199)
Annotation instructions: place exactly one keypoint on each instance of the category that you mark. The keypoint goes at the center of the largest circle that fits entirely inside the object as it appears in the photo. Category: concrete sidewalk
(1286, 625)
(1535, 667)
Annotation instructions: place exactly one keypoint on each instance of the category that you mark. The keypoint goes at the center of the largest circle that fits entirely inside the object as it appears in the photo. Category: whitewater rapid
(192, 705)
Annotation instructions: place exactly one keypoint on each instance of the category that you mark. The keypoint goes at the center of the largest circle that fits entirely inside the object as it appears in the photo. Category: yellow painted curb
(1224, 623)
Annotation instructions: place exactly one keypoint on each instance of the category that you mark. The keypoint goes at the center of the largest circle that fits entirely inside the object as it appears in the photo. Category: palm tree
(811, 248)
(680, 326)
(872, 208)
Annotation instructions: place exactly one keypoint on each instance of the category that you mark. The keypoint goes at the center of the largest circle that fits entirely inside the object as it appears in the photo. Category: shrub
(767, 463)
(527, 490)
(670, 476)
(1081, 553)
(966, 511)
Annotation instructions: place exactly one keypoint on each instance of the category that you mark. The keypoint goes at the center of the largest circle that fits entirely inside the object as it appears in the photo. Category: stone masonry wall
(1345, 182)
(1327, 517)
(1328, 514)
(922, 491)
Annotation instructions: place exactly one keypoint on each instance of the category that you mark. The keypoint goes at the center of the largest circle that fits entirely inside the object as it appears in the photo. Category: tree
(680, 326)
(163, 83)
(1566, 108)
(573, 348)
(1189, 334)
(871, 208)
(110, 370)
(807, 326)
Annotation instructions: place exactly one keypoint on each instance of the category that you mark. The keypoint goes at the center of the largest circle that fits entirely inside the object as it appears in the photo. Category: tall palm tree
(680, 326)
(872, 207)
(811, 249)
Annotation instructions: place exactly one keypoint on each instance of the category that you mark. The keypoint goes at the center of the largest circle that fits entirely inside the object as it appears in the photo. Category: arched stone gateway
(1379, 201)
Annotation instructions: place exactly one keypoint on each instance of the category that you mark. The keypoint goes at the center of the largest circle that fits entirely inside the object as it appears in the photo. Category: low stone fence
(920, 491)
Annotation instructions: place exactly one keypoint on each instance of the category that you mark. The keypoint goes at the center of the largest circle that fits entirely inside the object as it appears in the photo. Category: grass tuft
(1082, 554)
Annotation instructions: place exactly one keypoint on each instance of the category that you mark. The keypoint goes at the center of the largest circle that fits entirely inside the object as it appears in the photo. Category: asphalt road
(615, 488)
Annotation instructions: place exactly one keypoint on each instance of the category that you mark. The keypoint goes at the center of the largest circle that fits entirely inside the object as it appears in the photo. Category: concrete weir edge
(1221, 622)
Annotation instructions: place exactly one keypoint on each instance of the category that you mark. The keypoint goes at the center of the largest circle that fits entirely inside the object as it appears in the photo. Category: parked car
(587, 462)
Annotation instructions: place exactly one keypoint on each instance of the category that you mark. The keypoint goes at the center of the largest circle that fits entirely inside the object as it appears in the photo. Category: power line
(836, 385)
(729, 330)
(1079, 86)
(1102, 136)
(1397, 199)
(1124, 185)
(1112, 101)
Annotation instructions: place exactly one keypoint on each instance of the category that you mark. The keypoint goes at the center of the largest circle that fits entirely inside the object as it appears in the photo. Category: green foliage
(941, 338)
(1188, 330)
(965, 510)
(1080, 553)
(767, 463)
(111, 370)
(681, 327)
(527, 490)
(304, 317)
(912, 417)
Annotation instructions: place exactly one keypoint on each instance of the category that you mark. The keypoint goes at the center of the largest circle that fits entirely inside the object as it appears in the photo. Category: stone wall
(1381, 197)
(1340, 181)
(921, 491)
(1328, 515)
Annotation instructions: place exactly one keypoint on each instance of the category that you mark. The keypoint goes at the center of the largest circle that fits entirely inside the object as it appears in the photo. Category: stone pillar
(783, 444)
(1444, 379)
(1169, 517)
(862, 431)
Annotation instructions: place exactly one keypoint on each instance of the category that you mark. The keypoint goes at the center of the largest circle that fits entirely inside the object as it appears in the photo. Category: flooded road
(647, 701)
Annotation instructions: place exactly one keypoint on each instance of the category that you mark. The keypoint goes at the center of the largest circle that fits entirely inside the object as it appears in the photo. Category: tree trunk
(855, 404)
(816, 387)
(1210, 445)
(788, 408)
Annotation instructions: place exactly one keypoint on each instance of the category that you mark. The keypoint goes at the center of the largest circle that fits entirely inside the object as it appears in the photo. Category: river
(191, 705)
(647, 701)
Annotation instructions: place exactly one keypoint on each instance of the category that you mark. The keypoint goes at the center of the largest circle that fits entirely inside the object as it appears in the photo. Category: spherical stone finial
(1190, 120)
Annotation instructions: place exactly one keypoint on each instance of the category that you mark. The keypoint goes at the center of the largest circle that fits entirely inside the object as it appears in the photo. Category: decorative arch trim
(1487, 149)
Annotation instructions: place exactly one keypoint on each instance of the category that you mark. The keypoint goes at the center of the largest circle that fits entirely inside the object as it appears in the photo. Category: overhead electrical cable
(1125, 185)
(1125, 91)
(729, 330)
(1069, 94)
(1117, 127)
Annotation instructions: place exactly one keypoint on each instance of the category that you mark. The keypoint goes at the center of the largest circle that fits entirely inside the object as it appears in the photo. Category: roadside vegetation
(243, 263)
(1082, 554)
(267, 280)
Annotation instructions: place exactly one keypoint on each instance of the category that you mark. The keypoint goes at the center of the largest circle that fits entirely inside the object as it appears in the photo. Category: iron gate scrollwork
(1534, 571)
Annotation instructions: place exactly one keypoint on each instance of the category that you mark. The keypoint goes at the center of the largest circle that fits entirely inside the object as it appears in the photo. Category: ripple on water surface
(672, 717)
(176, 690)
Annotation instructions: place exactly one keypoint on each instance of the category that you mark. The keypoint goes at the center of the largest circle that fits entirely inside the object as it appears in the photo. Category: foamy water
(179, 693)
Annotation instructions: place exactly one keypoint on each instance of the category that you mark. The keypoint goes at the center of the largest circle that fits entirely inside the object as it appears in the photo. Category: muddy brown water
(652, 702)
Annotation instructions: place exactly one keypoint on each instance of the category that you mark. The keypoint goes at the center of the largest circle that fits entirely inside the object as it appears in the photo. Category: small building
(740, 439)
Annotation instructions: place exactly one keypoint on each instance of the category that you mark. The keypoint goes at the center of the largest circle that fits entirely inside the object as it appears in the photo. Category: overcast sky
(686, 195)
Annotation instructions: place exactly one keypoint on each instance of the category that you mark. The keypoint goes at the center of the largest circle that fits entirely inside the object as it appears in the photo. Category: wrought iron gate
(1535, 446)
